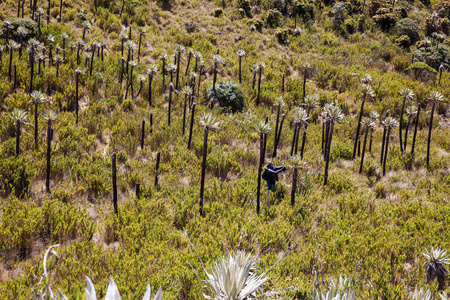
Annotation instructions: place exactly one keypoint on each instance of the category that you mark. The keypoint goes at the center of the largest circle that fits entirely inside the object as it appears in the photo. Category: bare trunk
(294, 138)
(164, 73)
(429, 133)
(36, 125)
(143, 134)
(240, 73)
(76, 95)
(150, 79)
(304, 84)
(60, 11)
(274, 154)
(17, 138)
(139, 48)
(49, 144)
(31, 69)
(383, 144)
(294, 185)
(169, 107)
(10, 63)
(265, 135)
(188, 62)
(400, 124)
(386, 150)
(199, 81)
(415, 129)
(361, 112)
(363, 150)
(276, 125)
(48, 12)
(304, 135)
(327, 161)
(406, 132)
(215, 77)
(259, 87)
(202, 179)
(261, 161)
(178, 70)
(114, 182)
(138, 190)
(158, 159)
(184, 113)
(192, 126)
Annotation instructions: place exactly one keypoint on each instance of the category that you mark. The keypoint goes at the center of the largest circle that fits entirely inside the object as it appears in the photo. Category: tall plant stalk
(241, 53)
(419, 104)
(208, 121)
(366, 91)
(262, 128)
(37, 97)
(178, 50)
(434, 98)
(406, 94)
(50, 116)
(310, 104)
(367, 125)
(114, 181)
(332, 114)
(151, 73)
(389, 123)
(191, 127)
(261, 67)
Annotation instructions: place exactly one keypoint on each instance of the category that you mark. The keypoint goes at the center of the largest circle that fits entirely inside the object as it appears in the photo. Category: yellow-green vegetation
(93, 62)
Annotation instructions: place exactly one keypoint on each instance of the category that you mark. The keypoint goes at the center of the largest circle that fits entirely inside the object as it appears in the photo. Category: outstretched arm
(282, 168)
(275, 171)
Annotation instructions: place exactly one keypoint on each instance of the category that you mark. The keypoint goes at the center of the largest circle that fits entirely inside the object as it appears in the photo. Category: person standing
(271, 174)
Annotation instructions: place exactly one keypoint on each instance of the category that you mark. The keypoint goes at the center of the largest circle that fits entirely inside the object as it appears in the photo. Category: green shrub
(340, 181)
(305, 10)
(16, 173)
(218, 12)
(433, 57)
(422, 71)
(245, 6)
(282, 35)
(165, 4)
(102, 3)
(341, 151)
(339, 13)
(400, 63)
(408, 27)
(273, 18)
(403, 41)
(257, 22)
(127, 105)
(228, 95)
(351, 25)
(385, 18)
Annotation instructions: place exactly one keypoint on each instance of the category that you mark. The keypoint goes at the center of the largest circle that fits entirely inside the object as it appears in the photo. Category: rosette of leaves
(234, 277)
(336, 290)
(420, 294)
(112, 293)
(435, 266)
